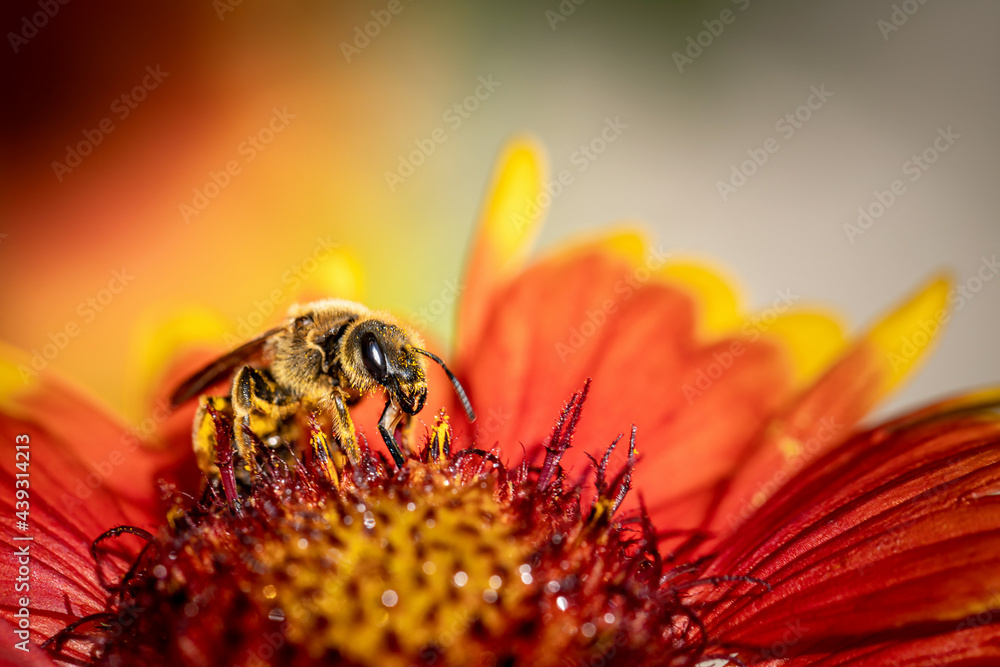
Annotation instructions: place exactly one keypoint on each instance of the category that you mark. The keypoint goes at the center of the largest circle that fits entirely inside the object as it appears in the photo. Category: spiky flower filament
(453, 559)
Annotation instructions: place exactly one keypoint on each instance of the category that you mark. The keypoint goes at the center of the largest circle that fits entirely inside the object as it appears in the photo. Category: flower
(748, 520)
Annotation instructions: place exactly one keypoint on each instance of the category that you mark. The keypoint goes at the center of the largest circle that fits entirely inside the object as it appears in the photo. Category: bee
(324, 357)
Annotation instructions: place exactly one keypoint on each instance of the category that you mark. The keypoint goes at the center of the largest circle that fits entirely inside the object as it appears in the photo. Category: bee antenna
(462, 396)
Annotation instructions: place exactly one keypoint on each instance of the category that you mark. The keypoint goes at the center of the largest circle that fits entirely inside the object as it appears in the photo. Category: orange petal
(717, 302)
(825, 413)
(509, 222)
(588, 312)
(87, 474)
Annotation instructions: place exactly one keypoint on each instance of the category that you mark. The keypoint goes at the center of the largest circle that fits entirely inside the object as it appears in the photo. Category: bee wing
(219, 368)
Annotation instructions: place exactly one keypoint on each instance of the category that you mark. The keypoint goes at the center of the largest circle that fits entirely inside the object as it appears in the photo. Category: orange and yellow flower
(752, 522)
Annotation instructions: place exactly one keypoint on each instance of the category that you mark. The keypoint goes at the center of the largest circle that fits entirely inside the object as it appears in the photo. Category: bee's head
(381, 353)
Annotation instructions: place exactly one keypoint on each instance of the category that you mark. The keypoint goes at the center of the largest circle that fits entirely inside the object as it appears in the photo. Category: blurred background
(216, 158)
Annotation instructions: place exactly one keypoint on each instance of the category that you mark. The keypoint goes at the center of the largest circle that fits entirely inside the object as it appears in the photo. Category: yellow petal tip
(17, 375)
(716, 293)
(337, 273)
(906, 335)
(518, 199)
(161, 332)
(812, 339)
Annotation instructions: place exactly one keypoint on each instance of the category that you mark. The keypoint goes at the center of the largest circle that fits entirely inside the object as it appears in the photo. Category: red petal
(896, 532)
(585, 314)
(816, 422)
(85, 477)
(15, 657)
(509, 221)
(970, 644)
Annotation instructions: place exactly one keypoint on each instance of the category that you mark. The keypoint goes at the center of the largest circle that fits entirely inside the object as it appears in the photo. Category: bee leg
(343, 426)
(258, 406)
(203, 437)
(387, 426)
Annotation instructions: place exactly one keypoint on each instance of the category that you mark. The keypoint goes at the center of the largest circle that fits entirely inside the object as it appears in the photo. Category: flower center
(405, 570)
(453, 559)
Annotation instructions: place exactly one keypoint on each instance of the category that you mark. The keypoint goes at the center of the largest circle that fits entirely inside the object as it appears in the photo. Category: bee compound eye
(373, 357)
